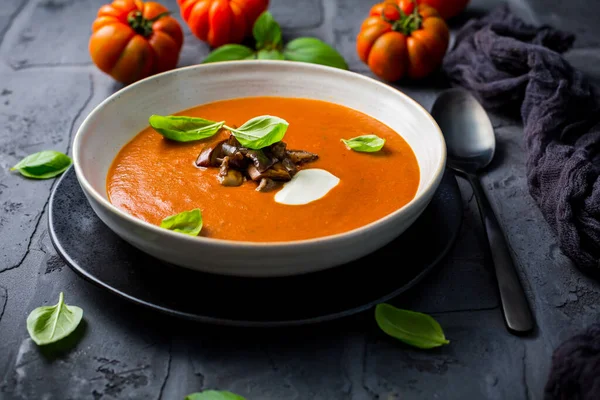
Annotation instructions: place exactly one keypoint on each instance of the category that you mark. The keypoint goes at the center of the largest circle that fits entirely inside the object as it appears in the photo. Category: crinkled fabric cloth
(508, 64)
(575, 371)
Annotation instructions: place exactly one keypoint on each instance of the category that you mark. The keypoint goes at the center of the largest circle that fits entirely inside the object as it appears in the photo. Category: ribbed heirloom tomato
(132, 40)
(399, 39)
(220, 22)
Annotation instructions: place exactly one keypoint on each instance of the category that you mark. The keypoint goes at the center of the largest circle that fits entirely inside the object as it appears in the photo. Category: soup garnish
(365, 143)
(256, 133)
(188, 222)
(266, 166)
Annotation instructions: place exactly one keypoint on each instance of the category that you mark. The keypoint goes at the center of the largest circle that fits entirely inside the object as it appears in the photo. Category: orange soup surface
(153, 177)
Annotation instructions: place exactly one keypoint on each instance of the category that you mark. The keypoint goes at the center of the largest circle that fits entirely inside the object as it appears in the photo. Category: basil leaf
(260, 132)
(413, 328)
(312, 50)
(188, 222)
(213, 395)
(270, 55)
(266, 31)
(229, 52)
(49, 324)
(365, 143)
(43, 165)
(184, 129)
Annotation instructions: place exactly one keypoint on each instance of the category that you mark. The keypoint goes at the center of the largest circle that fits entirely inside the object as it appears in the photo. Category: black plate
(102, 257)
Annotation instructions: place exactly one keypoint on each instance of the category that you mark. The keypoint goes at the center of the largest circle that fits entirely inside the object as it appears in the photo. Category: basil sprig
(256, 133)
(49, 324)
(230, 52)
(184, 129)
(312, 50)
(260, 132)
(365, 143)
(188, 222)
(413, 328)
(269, 46)
(43, 165)
(214, 395)
(267, 32)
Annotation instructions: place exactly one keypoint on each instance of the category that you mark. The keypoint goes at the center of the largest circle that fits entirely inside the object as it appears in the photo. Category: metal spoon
(471, 144)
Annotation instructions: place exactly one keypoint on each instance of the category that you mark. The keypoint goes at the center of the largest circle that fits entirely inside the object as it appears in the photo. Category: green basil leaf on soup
(266, 31)
(413, 328)
(312, 50)
(49, 324)
(188, 222)
(214, 395)
(184, 129)
(365, 143)
(270, 55)
(260, 132)
(43, 165)
(229, 52)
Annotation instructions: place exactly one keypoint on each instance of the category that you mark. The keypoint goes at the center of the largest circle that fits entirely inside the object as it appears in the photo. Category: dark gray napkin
(575, 368)
(508, 64)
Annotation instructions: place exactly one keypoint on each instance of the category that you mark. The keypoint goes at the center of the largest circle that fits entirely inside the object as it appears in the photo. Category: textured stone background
(48, 85)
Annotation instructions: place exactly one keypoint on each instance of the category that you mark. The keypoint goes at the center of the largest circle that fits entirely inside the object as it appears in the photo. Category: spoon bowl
(467, 129)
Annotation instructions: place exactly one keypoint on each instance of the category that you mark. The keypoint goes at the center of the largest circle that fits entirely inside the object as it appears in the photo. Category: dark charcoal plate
(102, 257)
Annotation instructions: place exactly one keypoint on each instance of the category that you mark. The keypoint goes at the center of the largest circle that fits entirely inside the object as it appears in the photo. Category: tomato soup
(153, 177)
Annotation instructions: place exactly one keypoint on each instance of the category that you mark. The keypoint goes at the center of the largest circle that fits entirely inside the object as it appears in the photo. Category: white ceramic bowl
(120, 117)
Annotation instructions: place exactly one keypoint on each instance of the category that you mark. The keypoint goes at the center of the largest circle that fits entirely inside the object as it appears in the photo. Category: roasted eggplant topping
(266, 185)
(267, 166)
(277, 172)
(228, 176)
(211, 155)
(301, 156)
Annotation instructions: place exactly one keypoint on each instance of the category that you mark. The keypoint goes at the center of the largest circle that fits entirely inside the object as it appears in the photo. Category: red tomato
(220, 22)
(132, 40)
(396, 40)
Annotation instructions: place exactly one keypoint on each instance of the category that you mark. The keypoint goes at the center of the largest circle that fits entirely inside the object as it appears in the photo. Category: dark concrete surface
(48, 85)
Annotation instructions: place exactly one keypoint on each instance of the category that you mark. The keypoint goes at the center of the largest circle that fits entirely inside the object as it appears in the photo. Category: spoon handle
(515, 307)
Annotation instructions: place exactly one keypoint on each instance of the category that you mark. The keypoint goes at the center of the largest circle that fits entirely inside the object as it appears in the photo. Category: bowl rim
(227, 243)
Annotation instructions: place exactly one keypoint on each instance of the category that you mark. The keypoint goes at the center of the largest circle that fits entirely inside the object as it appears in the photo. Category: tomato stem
(141, 25)
(406, 24)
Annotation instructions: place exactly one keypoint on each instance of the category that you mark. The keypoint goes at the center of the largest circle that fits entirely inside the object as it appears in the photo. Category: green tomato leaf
(213, 395)
(49, 324)
(43, 165)
(184, 129)
(260, 132)
(365, 143)
(188, 222)
(266, 31)
(229, 52)
(270, 55)
(413, 328)
(312, 50)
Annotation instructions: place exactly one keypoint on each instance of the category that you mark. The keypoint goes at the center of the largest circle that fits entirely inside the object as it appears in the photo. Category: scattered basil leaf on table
(266, 31)
(188, 222)
(312, 50)
(43, 165)
(365, 143)
(260, 132)
(230, 52)
(414, 328)
(49, 324)
(184, 129)
(214, 395)
(270, 55)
